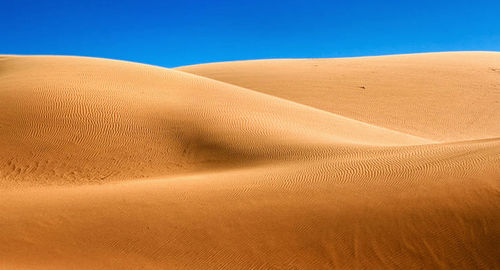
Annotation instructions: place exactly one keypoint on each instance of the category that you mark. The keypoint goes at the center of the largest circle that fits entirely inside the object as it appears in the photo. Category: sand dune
(364, 163)
(441, 96)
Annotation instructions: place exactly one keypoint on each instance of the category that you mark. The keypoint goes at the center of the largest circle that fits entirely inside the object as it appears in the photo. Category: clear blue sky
(174, 33)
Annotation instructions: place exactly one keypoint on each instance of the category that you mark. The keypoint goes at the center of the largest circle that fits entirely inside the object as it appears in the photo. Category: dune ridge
(269, 164)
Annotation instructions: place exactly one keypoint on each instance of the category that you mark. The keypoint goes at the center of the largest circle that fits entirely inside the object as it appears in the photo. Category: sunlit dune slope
(441, 96)
(115, 165)
(77, 119)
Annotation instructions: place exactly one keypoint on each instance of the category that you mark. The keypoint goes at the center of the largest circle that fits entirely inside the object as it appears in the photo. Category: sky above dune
(175, 33)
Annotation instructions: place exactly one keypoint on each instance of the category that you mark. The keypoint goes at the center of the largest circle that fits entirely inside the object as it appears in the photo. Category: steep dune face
(107, 164)
(440, 96)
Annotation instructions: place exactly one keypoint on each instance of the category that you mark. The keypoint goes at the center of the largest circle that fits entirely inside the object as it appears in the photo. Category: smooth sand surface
(388, 162)
(443, 96)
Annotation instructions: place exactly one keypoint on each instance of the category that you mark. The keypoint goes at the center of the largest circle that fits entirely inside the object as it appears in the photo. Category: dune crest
(362, 163)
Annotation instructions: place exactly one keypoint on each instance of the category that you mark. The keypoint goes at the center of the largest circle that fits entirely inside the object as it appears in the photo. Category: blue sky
(175, 33)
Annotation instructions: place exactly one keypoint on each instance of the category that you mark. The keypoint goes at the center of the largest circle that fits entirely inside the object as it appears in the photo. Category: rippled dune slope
(365, 163)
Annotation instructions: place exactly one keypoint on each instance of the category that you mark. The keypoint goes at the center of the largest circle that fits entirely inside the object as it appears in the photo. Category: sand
(443, 96)
(388, 162)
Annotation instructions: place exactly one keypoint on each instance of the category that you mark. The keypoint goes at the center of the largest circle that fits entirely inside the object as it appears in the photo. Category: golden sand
(388, 162)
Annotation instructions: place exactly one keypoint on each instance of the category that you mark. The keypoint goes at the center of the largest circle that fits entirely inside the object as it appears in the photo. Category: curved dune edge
(107, 164)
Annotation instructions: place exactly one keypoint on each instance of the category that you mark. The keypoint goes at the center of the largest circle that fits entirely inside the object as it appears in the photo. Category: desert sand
(389, 162)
